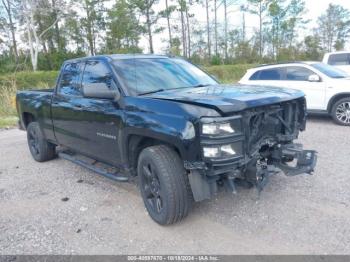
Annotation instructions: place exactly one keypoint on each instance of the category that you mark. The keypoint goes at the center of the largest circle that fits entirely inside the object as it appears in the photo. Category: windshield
(147, 75)
(330, 71)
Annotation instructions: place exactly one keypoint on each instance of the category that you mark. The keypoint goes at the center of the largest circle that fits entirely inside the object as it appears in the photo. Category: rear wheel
(164, 184)
(341, 111)
(40, 149)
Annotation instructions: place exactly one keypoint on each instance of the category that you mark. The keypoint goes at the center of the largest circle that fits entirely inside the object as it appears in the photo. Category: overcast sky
(314, 9)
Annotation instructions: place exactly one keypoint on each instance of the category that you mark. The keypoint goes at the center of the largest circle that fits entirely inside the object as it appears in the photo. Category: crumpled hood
(230, 98)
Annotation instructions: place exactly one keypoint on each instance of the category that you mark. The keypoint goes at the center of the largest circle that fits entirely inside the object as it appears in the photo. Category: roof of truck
(120, 56)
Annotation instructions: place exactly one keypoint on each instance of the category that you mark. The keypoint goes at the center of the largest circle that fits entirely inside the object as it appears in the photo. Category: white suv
(327, 88)
(340, 59)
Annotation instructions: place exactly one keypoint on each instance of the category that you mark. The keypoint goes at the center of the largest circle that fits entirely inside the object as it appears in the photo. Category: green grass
(30, 80)
(229, 73)
(9, 121)
(10, 83)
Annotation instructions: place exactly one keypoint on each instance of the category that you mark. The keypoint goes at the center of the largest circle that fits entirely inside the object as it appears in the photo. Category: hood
(230, 98)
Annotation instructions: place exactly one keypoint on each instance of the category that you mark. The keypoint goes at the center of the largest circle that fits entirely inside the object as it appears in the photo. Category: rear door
(66, 108)
(269, 77)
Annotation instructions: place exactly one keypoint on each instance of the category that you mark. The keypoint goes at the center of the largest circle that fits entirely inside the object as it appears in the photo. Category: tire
(40, 149)
(341, 111)
(164, 184)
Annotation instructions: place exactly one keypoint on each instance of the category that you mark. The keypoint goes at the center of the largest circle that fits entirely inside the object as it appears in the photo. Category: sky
(314, 9)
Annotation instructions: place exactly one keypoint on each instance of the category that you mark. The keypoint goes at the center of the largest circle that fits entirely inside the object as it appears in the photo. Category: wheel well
(137, 143)
(28, 118)
(334, 99)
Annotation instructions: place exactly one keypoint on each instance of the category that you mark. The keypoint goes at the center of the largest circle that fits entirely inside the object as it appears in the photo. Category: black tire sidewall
(160, 218)
(334, 109)
(46, 150)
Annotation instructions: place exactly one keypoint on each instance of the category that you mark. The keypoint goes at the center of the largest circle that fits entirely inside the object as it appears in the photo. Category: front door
(297, 77)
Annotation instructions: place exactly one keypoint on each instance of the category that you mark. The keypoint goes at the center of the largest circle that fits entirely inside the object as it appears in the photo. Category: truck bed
(38, 104)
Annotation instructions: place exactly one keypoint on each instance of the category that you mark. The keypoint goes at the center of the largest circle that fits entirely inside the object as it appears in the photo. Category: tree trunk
(183, 30)
(208, 28)
(188, 33)
(89, 26)
(57, 29)
(7, 6)
(243, 26)
(216, 27)
(149, 29)
(168, 20)
(48, 59)
(260, 29)
(225, 11)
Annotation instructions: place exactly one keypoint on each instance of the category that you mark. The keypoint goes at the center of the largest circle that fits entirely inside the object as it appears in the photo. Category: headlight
(217, 129)
(223, 151)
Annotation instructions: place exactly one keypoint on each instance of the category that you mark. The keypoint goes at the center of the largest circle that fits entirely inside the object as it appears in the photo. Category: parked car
(340, 59)
(167, 123)
(327, 88)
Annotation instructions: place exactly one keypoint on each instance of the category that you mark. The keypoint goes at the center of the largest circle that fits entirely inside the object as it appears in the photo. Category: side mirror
(314, 78)
(100, 90)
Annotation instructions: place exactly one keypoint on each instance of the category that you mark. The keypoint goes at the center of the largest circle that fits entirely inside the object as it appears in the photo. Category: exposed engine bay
(267, 135)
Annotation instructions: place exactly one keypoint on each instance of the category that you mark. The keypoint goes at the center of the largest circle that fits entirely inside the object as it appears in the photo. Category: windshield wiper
(201, 85)
(152, 92)
(162, 89)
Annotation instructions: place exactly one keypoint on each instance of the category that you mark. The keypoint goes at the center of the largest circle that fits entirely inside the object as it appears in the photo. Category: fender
(335, 98)
(173, 130)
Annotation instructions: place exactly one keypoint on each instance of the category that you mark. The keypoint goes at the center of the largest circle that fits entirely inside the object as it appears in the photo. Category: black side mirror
(100, 90)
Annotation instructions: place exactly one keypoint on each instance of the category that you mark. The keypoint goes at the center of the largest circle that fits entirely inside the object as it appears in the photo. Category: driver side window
(298, 73)
(97, 72)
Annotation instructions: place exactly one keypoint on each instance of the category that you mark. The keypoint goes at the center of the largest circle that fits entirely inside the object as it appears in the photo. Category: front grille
(273, 124)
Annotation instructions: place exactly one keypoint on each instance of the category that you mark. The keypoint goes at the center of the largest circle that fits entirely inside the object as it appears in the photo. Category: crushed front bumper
(290, 160)
(305, 160)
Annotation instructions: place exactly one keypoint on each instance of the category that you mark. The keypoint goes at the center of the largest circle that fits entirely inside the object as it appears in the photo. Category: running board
(93, 165)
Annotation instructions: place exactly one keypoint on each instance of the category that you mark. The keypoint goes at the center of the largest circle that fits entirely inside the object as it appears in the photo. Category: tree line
(40, 34)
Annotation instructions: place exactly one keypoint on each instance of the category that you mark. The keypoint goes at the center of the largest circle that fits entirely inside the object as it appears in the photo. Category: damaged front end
(248, 148)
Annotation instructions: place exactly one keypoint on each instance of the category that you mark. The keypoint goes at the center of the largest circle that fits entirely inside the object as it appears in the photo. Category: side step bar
(99, 168)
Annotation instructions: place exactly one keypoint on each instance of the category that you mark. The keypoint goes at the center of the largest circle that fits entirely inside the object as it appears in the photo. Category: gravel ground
(297, 215)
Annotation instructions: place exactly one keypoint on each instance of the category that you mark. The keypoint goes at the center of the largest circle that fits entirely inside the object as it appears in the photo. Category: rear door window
(70, 80)
(339, 59)
(298, 73)
(267, 74)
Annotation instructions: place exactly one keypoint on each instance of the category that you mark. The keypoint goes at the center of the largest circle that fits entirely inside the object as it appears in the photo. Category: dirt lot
(298, 215)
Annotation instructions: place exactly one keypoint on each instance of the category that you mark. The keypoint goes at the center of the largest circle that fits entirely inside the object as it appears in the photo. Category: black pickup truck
(167, 124)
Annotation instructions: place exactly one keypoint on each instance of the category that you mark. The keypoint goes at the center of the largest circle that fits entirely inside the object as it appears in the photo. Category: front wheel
(341, 111)
(164, 184)
(40, 149)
